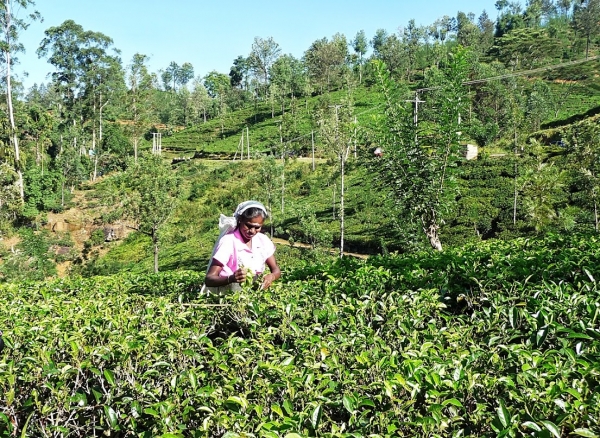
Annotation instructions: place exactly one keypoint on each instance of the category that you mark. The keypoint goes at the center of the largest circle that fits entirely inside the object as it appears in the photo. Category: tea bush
(498, 339)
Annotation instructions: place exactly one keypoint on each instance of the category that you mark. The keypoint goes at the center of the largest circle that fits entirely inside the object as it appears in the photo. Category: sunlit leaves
(499, 339)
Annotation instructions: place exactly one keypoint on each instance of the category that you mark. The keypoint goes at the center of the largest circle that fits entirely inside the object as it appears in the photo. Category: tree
(239, 72)
(325, 61)
(337, 129)
(527, 48)
(38, 126)
(171, 73)
(360, 45)
(139, 100)
(270, 173)
(379, 40)
(419, 171)
(411, 41)
(184, 74)
(218, 85)
(10, 26)
(468, 33)
(583, 147)
(262, 56)
(288, 75)
(391, 52)
(510, 17)
(88, 77)
(486, 29)
(586, 20)
(542, 189)
(11, 202)
(151, 197)
(200, 100)
(539, 104)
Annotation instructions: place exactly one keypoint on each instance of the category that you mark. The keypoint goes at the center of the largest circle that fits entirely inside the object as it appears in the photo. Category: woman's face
(250, 227)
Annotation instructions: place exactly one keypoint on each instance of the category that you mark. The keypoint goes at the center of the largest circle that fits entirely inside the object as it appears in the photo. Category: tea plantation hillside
(494, 339)
(572, 94)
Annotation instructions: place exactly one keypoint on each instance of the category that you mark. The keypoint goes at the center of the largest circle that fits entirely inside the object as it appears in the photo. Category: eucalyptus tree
(270, 173)
(11, 203)
(10, 27)
(378, 40)
(539, 104)
(412, 37)
(170, 75)
(418, 170)
(468, 33)
(218, 85)
(263, 54)
(325, 61)
(491, 109)
(390, 50)
(38, 126)
(564, 6)
(184, 74)
(337, 130)
(586, 20)
(288, 74)
(440, 30)
(200, 101)
(88, 76)
(360, 46)
(140, 113)
(486, 32)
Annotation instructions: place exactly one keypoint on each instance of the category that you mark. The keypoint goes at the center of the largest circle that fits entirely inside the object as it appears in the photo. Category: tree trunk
(431, 229)
(9, 104)
(516, 191)
(342, 205)
(155, 244)
(596, 215)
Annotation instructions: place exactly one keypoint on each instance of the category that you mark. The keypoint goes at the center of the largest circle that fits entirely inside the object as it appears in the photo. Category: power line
(477, 81)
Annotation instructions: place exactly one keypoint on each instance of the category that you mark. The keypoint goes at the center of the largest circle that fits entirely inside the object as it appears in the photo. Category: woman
(242, 247)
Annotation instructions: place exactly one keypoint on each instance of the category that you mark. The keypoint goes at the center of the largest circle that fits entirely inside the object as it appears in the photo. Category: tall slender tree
(360, 46)
(10, 27)
(139, 100)
(586, 20)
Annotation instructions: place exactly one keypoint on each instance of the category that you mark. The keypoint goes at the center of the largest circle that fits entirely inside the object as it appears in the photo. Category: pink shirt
(232, 252)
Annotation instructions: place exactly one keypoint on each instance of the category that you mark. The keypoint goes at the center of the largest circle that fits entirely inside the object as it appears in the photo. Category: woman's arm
(214, 279)
(274, 275)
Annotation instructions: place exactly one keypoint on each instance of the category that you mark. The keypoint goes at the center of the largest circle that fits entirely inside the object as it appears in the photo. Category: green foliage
(418, 167)
(494, 339)
(12, 203)
(31, 259)
(42, 191)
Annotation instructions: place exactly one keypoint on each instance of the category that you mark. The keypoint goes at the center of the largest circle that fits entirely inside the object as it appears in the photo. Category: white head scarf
(228, 224)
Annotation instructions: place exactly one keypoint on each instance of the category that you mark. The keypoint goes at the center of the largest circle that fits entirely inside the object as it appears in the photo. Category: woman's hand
(267, 280)
(239, 275)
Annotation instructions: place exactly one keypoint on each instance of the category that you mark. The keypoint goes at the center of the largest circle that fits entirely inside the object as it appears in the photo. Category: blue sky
(211, 34)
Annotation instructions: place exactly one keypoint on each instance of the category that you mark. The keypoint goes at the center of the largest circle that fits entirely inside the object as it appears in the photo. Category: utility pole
(416, 101)
(157, 143)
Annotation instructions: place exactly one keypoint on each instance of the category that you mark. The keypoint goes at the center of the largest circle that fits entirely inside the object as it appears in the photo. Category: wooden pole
(312, 139)
(247, 140)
